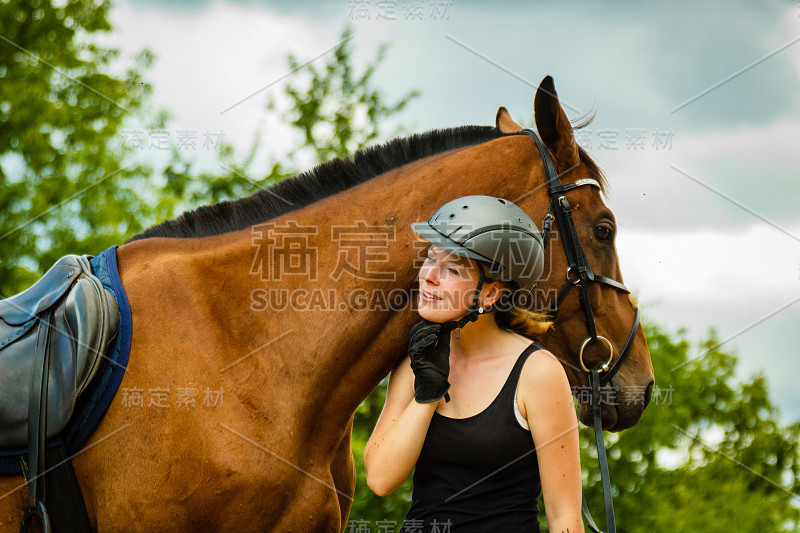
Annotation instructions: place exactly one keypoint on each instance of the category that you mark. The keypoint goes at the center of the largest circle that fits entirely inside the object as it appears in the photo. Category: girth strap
(37, 423)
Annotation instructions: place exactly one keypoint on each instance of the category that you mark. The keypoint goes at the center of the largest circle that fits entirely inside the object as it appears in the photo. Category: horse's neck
(317, 315)
(295, 296)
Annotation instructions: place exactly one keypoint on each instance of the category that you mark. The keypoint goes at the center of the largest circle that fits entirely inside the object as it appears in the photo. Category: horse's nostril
(648, 392)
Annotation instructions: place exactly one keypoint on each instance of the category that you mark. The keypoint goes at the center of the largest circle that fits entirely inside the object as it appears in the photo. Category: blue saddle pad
(94, 402)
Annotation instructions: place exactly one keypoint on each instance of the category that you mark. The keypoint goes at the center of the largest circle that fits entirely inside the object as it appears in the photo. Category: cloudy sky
(697, 128)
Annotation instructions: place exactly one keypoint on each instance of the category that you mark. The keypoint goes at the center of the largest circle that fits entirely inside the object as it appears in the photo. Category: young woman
(482, 414)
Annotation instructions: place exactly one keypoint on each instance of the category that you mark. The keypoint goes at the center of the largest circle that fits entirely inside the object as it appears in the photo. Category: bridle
(579, 274)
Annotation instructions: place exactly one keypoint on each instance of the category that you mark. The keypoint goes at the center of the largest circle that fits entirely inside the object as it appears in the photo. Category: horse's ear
(554, 127)
(505, 123)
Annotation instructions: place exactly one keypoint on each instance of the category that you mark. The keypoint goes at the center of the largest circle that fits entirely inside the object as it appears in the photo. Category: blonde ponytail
(531, 324)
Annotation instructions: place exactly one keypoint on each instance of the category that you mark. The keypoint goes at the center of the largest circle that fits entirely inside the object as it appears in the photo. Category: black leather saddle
(52, 337)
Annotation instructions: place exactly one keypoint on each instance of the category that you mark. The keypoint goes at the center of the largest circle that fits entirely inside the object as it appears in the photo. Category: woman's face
(447, 285)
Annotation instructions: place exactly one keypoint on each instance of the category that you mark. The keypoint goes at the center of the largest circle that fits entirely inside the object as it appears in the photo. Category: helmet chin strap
(474, 311)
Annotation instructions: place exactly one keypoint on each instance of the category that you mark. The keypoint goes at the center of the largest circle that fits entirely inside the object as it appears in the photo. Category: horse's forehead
(588, 198)
(598, 205)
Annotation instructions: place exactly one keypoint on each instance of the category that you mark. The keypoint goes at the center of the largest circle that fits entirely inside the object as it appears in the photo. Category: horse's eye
(603, 233)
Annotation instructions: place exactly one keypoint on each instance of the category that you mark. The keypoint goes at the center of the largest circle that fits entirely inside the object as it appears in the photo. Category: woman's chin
(436, 315)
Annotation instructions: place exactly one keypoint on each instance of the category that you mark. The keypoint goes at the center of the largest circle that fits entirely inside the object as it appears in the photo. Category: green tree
(337, 111)
(737, 468)
(67, 184)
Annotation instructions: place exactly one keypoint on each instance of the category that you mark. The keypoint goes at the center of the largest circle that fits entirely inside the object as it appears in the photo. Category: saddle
(52, 338)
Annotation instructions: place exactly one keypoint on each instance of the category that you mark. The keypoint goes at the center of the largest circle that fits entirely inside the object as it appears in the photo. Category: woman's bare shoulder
(542, 377)
(541, 359)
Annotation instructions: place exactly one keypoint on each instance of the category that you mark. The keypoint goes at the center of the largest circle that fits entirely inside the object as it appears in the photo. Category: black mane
(326, 180)
(320, 182)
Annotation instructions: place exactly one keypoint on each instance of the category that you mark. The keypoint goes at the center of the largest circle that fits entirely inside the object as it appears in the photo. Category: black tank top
(479, 473)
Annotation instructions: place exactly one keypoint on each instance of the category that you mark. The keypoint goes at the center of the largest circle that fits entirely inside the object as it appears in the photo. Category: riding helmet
(492, 231)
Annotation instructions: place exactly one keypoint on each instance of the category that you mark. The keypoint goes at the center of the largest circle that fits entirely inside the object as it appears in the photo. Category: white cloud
(758, 265)
(738, 281)
(754, 166)
(789, 31)
(221, 54)
(772, 145)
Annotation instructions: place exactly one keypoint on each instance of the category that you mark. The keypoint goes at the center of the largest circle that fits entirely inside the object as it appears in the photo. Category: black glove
(429, 350)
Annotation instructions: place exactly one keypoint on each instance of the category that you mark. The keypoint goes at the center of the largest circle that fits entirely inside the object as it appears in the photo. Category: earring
(458, 332)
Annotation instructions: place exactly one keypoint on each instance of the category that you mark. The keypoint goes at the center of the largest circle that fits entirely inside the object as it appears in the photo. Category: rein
(579, 274)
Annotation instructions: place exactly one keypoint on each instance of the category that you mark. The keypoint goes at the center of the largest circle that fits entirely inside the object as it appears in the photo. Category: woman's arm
(396, 442)
(547, 399)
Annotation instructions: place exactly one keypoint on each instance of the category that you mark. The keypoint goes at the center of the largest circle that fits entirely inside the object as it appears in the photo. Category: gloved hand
(429, 350)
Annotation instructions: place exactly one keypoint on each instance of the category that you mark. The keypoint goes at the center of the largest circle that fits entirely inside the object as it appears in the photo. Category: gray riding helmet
(492, 231)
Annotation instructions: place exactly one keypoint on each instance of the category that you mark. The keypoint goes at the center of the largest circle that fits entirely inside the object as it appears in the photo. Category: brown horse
(259, 326)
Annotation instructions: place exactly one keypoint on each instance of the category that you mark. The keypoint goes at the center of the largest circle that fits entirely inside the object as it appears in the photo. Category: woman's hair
(507, 315)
